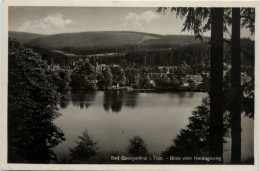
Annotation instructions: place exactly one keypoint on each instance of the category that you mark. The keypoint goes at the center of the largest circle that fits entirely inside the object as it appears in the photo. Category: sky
(53, 20)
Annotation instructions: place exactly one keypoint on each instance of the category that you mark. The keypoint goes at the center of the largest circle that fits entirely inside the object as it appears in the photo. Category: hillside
(136, 47)
(176, 40)
(24, 37)
(92, 39)
(101, 39)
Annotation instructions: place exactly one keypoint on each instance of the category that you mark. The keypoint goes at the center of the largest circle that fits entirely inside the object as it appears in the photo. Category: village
(115, 77)
(130, 78)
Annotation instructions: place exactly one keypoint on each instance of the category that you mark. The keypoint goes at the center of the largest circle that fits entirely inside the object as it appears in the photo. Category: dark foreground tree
(201, 20)
(32, 101)
(216, 84)
(235, 107)
(85, 149)
(137, 147)
(248, 20)
(193, 140)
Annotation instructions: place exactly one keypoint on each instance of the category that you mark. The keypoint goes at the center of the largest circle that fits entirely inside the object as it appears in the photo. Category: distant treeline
(195, 55)
(117, 48)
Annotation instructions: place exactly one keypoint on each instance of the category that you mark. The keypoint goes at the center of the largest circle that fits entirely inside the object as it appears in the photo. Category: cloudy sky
(52, 20)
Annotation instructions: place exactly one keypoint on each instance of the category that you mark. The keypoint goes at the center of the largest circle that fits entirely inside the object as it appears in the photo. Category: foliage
(248, 100)
(198, 20)
(247, 90)
(107, 77)
(63, 80)
(132, 76)
(118, 76)
(248, 18)
(193, 140)
(192, 85)
(84, 76)
(85, 149)
(137, 147)
(32, 99)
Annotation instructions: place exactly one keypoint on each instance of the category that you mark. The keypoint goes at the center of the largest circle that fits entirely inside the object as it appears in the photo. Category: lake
(113, 117)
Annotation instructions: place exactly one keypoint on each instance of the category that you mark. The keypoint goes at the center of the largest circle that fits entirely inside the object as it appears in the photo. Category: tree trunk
(235, 108)
(216, 85)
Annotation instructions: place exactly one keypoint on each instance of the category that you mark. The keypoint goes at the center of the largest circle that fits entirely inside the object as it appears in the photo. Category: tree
(118, 76)
(193, 140)
(32, 100)
(216, 84)
(204, 86)
(201, 20)
(132, 76)
(192, 85)
(182, 71)
(85, 149)
(84, 76)
(235, 107)
(137, 147)
(107, 77)
(248, 19)
(63, 80)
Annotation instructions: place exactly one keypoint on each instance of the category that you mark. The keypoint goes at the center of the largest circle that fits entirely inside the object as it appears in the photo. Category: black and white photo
(131, 85)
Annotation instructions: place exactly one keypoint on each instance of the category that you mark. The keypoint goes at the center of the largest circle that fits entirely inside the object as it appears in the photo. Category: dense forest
(195, 55)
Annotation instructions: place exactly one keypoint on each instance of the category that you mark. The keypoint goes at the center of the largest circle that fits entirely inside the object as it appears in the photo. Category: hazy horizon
(107, 31)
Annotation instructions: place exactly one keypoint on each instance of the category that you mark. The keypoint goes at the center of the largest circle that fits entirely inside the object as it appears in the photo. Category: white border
(134, 3)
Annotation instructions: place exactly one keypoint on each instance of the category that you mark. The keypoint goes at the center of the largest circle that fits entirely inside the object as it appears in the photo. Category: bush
(137, 147)
(85, 149)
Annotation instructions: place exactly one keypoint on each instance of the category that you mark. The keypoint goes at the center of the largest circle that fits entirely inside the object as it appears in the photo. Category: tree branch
(245, 16)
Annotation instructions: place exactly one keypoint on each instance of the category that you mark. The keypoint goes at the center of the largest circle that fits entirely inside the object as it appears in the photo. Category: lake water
(113, 117)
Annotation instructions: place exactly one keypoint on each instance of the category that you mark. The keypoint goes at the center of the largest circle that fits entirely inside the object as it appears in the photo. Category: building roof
(196, 78)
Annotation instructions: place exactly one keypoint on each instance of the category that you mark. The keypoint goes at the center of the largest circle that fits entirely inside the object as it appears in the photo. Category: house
(114, 65)
(197, 79)
(54, 67)
(184, 86)
(100, 67)
(152, 83)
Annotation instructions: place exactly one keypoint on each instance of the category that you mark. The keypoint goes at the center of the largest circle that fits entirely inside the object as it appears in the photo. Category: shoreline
(129, 90)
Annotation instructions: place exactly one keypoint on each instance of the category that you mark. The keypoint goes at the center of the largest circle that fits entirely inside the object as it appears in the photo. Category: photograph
(131, 85)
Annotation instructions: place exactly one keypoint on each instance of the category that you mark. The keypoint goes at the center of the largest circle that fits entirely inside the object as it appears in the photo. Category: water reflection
(191, 95)
(114, 100)
(131, 99)
(157, 117)
(82, 98)
(181, 97)
(154, 116)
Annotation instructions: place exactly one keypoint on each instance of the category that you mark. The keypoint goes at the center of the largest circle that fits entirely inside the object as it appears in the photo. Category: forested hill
(131, 47)
(101, 39)
(24, 37)
(92, 39)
